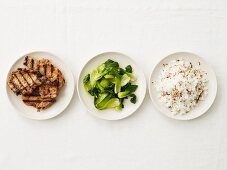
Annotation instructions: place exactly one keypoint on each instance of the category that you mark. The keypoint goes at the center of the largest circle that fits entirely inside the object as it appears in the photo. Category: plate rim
(8, 90)
(166, 114)
(90, 111)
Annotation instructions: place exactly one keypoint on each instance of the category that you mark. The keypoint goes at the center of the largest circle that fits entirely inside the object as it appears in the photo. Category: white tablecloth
(146, 30)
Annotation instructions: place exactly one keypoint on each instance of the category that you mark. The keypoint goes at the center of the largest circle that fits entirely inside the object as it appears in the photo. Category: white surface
(203, 106)
(63, 99)
(112, 114)
(145, 30)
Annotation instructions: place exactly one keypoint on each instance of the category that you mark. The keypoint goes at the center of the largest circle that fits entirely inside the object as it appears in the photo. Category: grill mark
(18, 85)
(30, 60)
(38, 101)
(35, 97)
(42, 69)
(36, 65)
(16, 82)
(27, 78)
(27, 88)
(34, 78)
(31, 78)
(32, 64)
(48, 70)
(45, 67)
(52, 70)
(26, 61)
(21, 79)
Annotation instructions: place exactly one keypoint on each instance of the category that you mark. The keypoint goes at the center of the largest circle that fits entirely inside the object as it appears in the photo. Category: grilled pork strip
(39, 105)
(38, 84)
(35, 99)
(44, 105)
(29, 62)
(12, 86)
(49, 70)
(48, 91)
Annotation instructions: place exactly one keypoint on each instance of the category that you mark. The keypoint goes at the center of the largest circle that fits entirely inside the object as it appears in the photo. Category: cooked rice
(181, 86)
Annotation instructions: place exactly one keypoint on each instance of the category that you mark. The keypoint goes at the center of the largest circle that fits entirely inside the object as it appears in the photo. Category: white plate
(111, 114)
(203, 106)
(63, 98)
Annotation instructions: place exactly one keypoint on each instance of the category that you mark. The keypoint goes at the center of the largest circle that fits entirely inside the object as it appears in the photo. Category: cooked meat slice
(54, 76)
(36, 65)
(42, 69)
(34, 99)
(28, 78)
(49, 70)
(57, 76)
(21, 78)
(34, 104)
(38, 102)
(35, 92)
(48, 91)
(42, 66)
(12, 86)
(29, 62)
(16, 82)
(44, 105)
(39, 105)
(38, 84)
(53, 91)
(35, 79)
(23, 82)
(44, 91)
(61, 80)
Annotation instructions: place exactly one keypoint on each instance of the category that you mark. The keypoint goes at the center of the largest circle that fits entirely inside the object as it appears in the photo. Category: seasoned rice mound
(181, 85)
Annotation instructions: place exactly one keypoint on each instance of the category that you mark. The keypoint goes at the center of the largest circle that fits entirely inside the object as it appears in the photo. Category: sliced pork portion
(39, 83)
(38, 102)
(23, 81)
(45, 68)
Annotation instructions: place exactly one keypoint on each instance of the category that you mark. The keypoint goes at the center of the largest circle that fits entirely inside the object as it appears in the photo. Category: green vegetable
(99, 87)
(111, 103)
(128, 69)
(117, 87)
(87, 84)
(132, 76)
(125, 79)
(121, 106)
(102, 102)
(100, 98)
(105, 83)
(133, 98)
(130, 89)
(94, 92)
(110, 85)
(108, 76)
